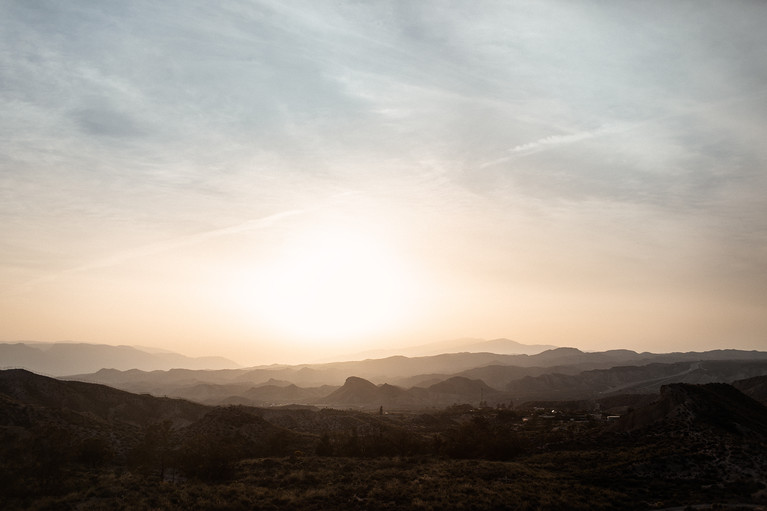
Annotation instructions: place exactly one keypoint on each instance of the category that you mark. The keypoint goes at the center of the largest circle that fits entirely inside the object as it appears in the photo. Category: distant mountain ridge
(560, 374)
(386, 370)
(500, 346)
(61, 359)
(640, 379)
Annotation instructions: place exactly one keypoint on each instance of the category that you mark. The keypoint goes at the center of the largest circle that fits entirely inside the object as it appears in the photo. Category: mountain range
(61, 359)
(67, 358)
(500, 346)
(395, 382)
(403, 383)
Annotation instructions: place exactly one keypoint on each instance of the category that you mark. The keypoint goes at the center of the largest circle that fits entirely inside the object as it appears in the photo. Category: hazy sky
(283, 181)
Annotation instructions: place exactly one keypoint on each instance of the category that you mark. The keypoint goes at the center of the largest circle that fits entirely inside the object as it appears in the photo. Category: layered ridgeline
(561, 374)
(68, 358)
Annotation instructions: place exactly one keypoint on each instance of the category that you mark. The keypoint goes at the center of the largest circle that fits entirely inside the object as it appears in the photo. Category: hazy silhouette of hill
(271, 395)
(499, 346)
(643, 379)
(61, 359)
(207, 393)
(363, 393)
(500, 376)
(570, 361)
(505, 347)
(460, 385)
(172, 377)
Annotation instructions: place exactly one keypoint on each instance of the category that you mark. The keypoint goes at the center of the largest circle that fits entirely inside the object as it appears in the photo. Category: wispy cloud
(172, 244)
(452, 123)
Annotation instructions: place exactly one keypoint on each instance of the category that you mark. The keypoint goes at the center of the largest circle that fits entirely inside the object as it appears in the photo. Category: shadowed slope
(98, 400)
(755, 388)
(716, 406)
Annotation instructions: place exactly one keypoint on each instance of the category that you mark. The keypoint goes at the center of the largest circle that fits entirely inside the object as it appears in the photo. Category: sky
(286, 181)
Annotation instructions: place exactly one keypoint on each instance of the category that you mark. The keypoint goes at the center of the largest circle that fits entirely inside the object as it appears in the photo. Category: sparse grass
(345, 483)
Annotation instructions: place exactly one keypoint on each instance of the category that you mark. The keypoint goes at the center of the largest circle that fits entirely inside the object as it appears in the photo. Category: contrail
(545, 143)
(172, 244)
(553, 141)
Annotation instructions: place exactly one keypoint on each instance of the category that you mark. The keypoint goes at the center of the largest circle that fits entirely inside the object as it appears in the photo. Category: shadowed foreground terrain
(70, 445)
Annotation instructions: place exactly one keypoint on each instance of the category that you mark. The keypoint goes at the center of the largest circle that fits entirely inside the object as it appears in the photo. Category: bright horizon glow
(328, 285)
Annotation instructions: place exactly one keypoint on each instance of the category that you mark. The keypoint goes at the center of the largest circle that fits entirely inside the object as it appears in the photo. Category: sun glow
(331, 286)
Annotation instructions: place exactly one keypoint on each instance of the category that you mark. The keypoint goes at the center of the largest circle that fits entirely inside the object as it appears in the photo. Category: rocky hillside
(711, 433)
(714, 406)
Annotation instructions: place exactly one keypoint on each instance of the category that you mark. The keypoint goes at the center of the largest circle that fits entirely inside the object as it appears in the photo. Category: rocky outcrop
(714, 407)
